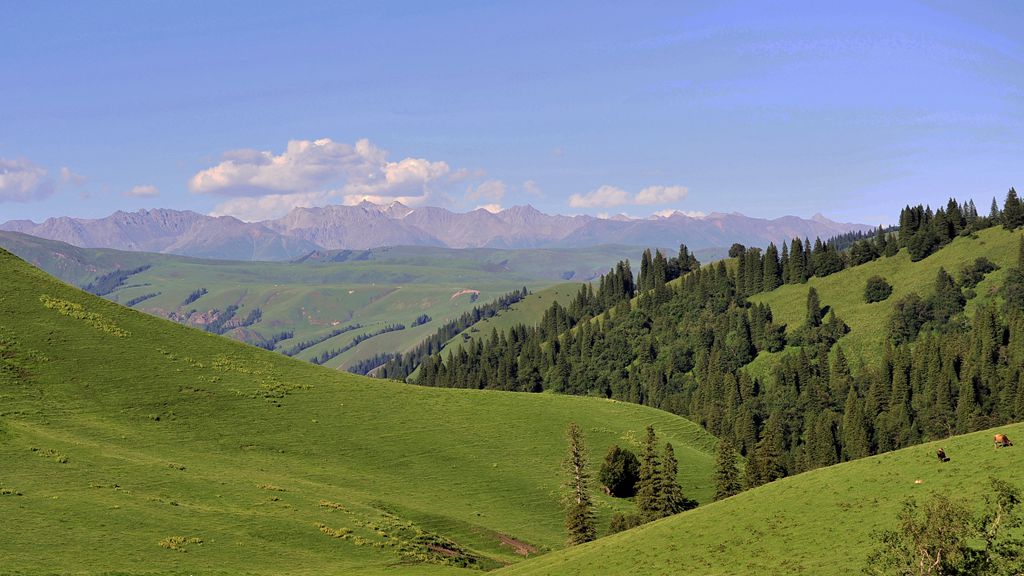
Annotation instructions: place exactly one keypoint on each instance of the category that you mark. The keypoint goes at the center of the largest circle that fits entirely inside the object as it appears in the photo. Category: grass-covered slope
(844, 291)
(126, 440)
(820, 522)
(315, 296)
(528, 312)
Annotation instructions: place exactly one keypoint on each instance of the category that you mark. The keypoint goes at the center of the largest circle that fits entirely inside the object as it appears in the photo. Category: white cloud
(411, 201)
(660, 195)
(608, 196)
(143, 191)
(493, 190)
(408, 177)
(255, 209)
(269, 206)
(492, 208)
(531, 188)
(23, 181)
(68, 176)
(604, 197)
(335, 169)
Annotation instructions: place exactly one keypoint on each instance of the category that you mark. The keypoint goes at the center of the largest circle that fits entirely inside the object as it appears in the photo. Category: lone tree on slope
(579, 512)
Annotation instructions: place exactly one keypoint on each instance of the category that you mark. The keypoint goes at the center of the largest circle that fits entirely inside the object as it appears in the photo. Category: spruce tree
(579, 513)
(619, 472)
(1013, 211)
(648, 487)
(772, 269)
(856, 435)
(770, 453)
(727, 473)
(813, 309)
(672, 499)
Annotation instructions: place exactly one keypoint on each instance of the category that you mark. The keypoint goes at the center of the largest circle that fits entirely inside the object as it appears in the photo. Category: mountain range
(368, 225)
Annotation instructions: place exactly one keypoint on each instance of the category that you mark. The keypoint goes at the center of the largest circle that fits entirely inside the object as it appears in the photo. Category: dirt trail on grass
(521, 548)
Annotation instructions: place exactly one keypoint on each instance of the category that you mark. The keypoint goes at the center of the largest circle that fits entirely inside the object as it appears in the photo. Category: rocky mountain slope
(368, 225)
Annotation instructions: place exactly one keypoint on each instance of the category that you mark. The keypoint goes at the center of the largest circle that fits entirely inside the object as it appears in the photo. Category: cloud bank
(23, 181)
(315, 172)
(610, 196)
(143, 191)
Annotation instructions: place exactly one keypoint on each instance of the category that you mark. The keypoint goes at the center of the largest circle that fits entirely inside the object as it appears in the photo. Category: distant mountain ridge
(367, 225)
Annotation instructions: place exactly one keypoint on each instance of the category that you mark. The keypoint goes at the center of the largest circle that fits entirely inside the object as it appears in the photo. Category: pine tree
(994, 215)
(813, 309)
(727, 474)
(648, 487)
(619, 472)
(797, 269)
(579, 514)
(770, 454)
(772, 269)
(1013, 211)
(672, 499)
(856, 435)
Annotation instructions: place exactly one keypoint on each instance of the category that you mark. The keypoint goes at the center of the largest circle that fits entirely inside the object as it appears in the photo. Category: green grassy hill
(844, 291)
(132, 445)
(528, 312)
(819, 522)
(311, 298)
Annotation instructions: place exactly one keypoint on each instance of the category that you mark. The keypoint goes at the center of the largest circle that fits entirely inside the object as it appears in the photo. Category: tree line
(334, 352)
(107, 283)
(682, 347)
(401, 365)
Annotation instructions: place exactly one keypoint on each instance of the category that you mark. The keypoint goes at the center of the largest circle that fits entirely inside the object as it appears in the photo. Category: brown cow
(1001, 441)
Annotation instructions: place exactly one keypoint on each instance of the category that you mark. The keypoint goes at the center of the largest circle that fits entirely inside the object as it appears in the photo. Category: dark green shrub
(877, 289)
(619, 472)
(909, 314)
(620, 522)
(972, 274)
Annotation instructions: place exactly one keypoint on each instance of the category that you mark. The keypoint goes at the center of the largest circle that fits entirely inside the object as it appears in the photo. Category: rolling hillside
(323, 292)
(844, 291)
(819, 522)
(526, 312)
(133, 445)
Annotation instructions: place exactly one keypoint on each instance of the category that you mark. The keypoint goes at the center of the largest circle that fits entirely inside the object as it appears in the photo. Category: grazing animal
(942, 455)
(1001, 441)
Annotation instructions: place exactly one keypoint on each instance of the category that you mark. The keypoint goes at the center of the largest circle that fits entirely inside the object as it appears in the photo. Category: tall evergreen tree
(770, 454)
(813, 309)
(672, 499)
(579, 513)
(856, 434)
(727, 473)
(648, 487)
(1013, 211)
(772, 269)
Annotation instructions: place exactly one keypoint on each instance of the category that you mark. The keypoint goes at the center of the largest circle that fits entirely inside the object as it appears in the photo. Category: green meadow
(315, 296)
(133, 445)
(819, 522)
(844, 292)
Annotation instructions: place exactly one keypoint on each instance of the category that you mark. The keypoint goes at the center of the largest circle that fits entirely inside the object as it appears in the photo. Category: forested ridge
(678, 337)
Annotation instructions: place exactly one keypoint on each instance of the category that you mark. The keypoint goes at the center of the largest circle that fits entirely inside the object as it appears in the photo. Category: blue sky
(575, 107)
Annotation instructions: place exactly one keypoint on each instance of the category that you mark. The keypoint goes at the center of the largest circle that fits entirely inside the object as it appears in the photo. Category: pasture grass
(844, 292)
(820, 522)
(119, 454)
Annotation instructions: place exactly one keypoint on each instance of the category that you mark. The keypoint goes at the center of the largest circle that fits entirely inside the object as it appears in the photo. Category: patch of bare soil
(521, 548)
